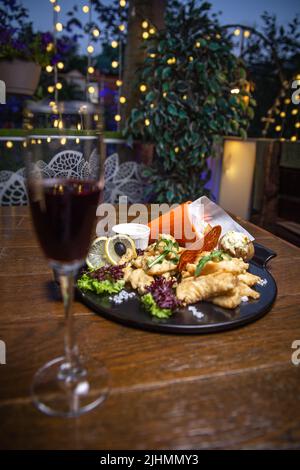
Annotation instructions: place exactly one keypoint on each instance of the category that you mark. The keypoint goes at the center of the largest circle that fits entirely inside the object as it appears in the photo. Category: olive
(120, 248)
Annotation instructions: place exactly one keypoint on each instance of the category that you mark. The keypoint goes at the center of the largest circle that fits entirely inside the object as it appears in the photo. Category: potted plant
(193, 92)
(22, 51)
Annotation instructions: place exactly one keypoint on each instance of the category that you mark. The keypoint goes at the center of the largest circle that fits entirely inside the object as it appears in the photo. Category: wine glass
(64, 174)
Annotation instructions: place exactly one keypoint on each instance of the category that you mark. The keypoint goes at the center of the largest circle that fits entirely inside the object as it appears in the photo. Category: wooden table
(237, 389)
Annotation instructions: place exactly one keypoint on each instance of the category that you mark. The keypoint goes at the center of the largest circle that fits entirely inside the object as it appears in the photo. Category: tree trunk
(139, 11)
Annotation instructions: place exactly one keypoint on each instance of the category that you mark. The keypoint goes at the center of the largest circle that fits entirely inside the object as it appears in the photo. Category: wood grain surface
(237, 389)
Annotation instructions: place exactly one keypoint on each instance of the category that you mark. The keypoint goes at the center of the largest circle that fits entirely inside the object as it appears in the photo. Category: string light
(184, 97)
(145, 35)
(57, 8)
(117, 118)
(235, 91)
(60, 124)
(79, 126)
(49, 47)
(282, 114)
(171, 60)
(114, 44)
(198, 44)
(77, 140)
(164, 94)
(293, 138)
(9, 144)
(52, 1)
(90, 49)
(96, 33)
(297, 125)
(176, 149)
(59, 86)
(247, 33)
(91, 69)
(122, 3)
(237, 32)
(152, 56)
(48, 140)
(122, 27)
(147, 122)
(278, 128)
(49, 68)
(143, 88)
(191, 58)
(59, 27)
(114, 64)
(60, 65)
(294, 111)
(39, 141)
(63, 141)
(119, 83)
(91, 90)
(122, 99)
(85, 8)
(24, 144)
(145, 24)
(287, 101)
(152, 105)
(96, 117)
(152, 30)
(50, 89)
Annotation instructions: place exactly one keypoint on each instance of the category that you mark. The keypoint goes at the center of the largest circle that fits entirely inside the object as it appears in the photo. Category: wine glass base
(55, 396)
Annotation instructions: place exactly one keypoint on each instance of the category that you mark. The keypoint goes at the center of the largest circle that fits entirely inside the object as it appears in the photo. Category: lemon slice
(96, 256)
(119, 246)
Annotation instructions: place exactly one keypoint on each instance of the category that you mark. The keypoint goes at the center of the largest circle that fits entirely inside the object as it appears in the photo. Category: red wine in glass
(63, 213)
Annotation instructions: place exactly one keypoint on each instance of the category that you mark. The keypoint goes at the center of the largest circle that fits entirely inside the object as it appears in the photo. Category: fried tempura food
(234, 266)
(199, 288)
(249, 279)
(229, 300)
(137, 278)
(232, 299)
(246, 291)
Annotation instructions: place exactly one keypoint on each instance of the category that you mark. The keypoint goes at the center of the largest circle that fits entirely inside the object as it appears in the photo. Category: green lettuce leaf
(86, 283)
(151, 306)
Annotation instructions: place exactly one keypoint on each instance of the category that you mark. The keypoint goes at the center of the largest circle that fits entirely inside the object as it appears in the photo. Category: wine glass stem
(67, 290)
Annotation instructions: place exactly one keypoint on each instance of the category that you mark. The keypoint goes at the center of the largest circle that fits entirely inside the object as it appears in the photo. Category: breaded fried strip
(249, 279)
(230, 300)
(247, 291)
(204, 287)
(234, 266)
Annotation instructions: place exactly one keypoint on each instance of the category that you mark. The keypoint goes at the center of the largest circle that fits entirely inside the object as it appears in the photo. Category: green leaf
(166, 73)
(151, 306)
(172, 110)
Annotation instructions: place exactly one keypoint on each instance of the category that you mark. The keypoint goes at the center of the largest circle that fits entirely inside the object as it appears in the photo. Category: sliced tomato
(209, 243)
(211, 238)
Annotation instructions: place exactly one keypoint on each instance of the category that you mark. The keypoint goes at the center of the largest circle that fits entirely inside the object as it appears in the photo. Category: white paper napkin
(204, 211)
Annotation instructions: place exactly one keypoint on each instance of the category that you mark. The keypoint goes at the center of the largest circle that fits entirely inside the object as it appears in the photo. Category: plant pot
(20, 77)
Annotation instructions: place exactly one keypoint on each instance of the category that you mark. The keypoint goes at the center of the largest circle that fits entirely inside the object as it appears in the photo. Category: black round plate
(131, 313)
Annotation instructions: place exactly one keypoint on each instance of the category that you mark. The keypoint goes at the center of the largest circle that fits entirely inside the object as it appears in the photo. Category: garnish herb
(170, 247)
(214, 255)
